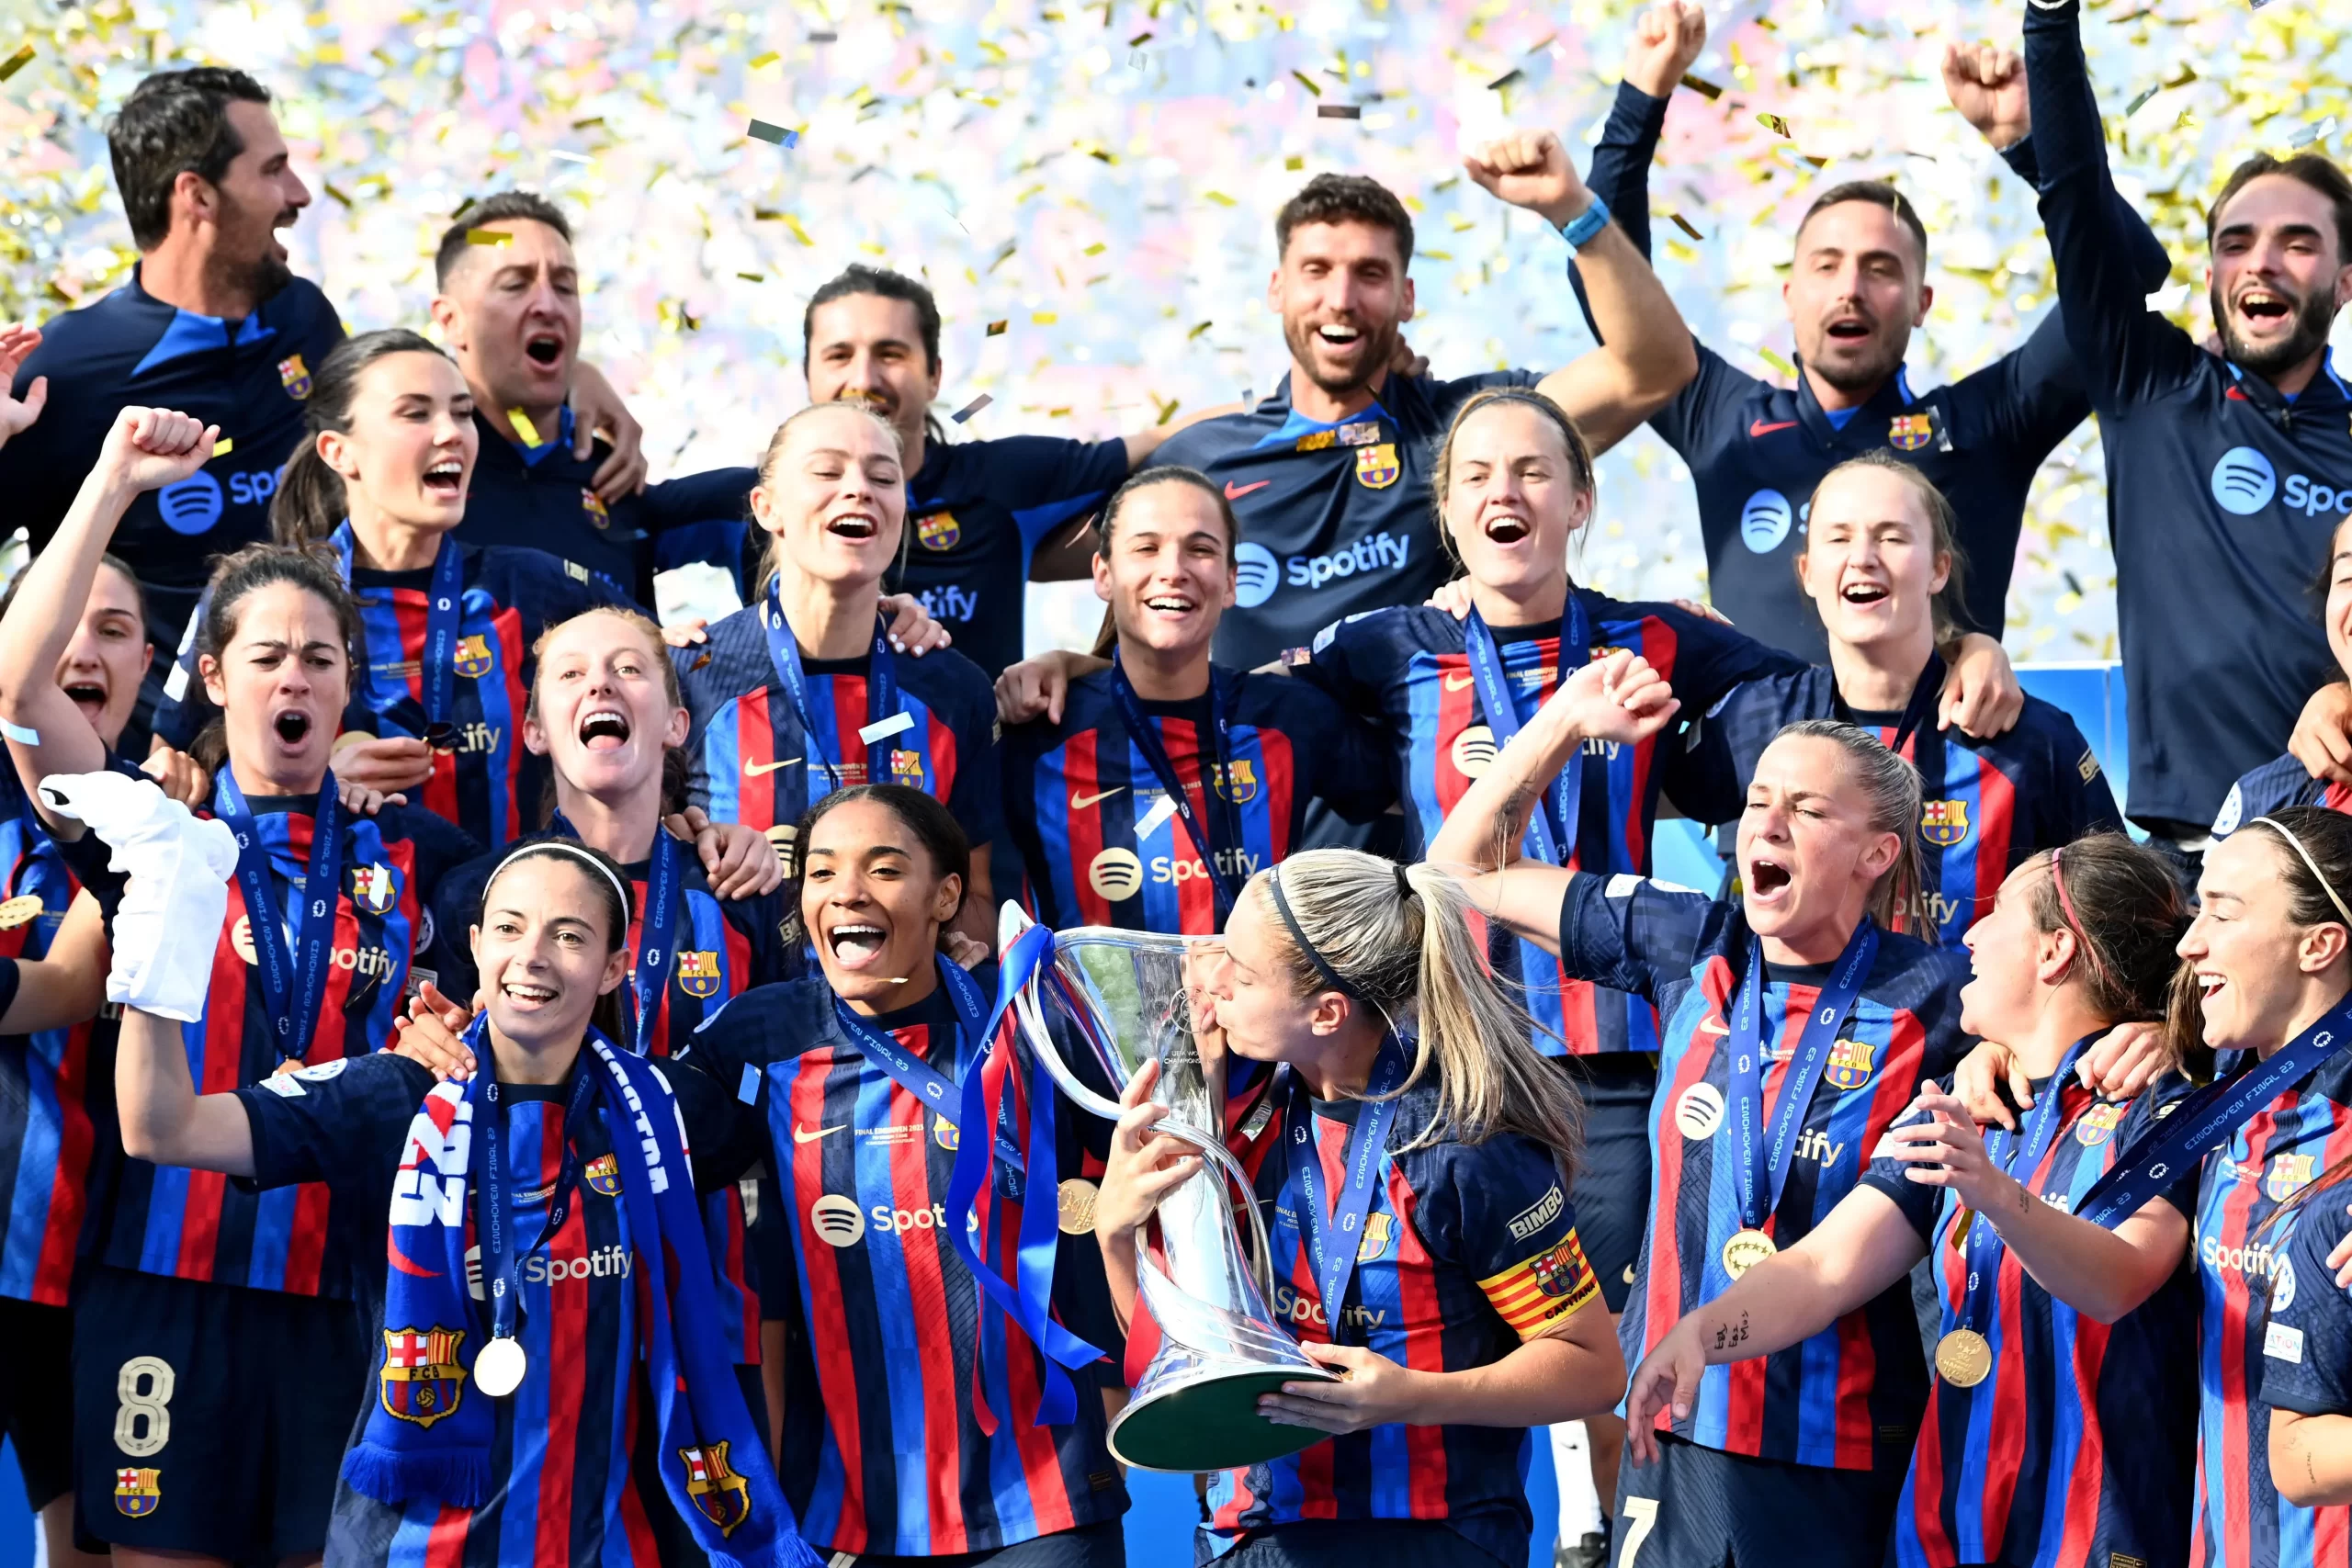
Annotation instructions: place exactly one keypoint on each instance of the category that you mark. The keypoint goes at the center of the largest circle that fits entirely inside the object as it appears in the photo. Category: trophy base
(1210, 1421)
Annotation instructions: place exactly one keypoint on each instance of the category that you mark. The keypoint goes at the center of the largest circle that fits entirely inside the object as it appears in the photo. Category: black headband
(1314, 955)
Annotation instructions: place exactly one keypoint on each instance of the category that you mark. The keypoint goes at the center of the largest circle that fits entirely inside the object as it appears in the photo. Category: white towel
(169, 925)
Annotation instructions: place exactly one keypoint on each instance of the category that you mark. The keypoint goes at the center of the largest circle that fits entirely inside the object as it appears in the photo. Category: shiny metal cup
(1116, 1000)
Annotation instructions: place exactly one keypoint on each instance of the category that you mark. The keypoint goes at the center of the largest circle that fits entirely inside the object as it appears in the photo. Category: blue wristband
(1578, 231)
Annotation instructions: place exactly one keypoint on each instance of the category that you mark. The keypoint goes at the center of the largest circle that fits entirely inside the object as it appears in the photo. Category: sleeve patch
(1533, 1296)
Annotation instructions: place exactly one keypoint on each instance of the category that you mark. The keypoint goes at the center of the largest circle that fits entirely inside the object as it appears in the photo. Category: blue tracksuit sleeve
(1619, 174)
(2128, 353)
(2148, 262)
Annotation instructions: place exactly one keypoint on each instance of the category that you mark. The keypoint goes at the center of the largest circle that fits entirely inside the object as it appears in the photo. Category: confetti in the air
(1702, 86)
(997, 329)
(1773, 123)
(1339, 111)
(572, 157)
(1684, 224)
(1776, 362)
(489, 237)
(781, 135)
(758, 62)
(2140, 97)
(15, 62)
(975, 406)
(223, 446)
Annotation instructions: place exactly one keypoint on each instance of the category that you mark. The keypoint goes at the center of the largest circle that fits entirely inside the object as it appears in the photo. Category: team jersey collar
(532, 454)
(1868, 427)
(2326, 391)
(187, 333)
(1296, 425)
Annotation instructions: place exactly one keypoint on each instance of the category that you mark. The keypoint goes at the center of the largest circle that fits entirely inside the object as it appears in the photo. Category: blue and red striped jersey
(54, 1130)
(752, 758)
(2280, 783)
(1469, 1249)
(1990, 806)
(1852, 1393)
(1410, 667)
(560, 1459)
(2078, 1450)
(883, 1450)
(197, 1225)
(724, 947)
(975, 512)
(1076, 793)
(2241, 1520)
(2307, 1347)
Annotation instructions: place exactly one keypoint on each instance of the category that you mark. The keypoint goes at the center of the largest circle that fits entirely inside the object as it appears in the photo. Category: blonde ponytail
(1400, 939)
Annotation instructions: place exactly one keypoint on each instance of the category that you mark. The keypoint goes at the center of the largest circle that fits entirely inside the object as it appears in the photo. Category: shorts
(1700, 1507)
(1611, 1190)
(1355, 1543)
(37, 1396)
(212, 1418)
(1102, 1544)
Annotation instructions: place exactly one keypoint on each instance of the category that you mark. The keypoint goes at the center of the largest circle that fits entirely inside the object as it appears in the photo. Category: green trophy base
(1210, 1421)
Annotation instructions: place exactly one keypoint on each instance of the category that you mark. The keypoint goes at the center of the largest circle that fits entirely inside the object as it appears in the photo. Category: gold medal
(20, 910)
(1745, 1250)
(1077, 1201)
(1964, 1357)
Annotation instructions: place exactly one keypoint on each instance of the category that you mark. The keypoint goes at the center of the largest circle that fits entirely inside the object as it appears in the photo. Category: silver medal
(498, 1371)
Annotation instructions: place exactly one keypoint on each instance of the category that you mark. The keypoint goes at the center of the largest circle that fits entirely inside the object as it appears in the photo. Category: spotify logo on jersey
(1256, 573)
(1699, 1111)
(1116, 874)
(191, 506)
(1474, 752)
(1764, 521)
(2244, 482)
(836, 1221)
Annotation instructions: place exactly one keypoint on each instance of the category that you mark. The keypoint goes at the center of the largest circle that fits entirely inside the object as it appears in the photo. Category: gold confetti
(522, 426)
(1816, 163)
(996, 329)
(1195, 334)
(226, 445)
(752, 277)
(1684, 224)
(1139, 40)
(1045, 318)
(1702, 86)
(1773, 123)
(1167, 410)
(15, 62)
(489, 237)
(1096, 249)
(1339, 111)
(760, 62)
(329, 186)
(1776, 362)
(1308, 81)
(1218, 196)
(1294, 162)
(789, 221)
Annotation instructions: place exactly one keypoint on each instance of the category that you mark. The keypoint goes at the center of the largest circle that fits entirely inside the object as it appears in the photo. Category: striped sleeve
(1540, 1293)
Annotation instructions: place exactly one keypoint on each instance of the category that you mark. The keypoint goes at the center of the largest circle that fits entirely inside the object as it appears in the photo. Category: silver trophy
(1120, 997)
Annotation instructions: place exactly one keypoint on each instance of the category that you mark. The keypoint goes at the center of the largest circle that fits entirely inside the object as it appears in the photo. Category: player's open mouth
(544, 349)
(1851, 329)
(1507, 530)
(1766, 877)
(1169, 604)
(86, 695)
(1339, 336)
(854, 526)
(2209, 983)
(1862, 593)
(526, 996)
(446, 479)
(856, 945)
(292, 726)
(2262, 305)
(603, 729)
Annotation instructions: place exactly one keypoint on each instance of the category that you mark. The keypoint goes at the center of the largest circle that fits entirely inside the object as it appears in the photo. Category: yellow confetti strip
(1773, 123)
(1776, 362)
(793, 223)
(1702, 86)
(489, 237)
(522, 426)
(1308, 81)
(1294, 162)
(1196, 331)
(997, 329)
(223, 446)
(1684, 224)
(15, 62)
(1045, 318)
(760, 60)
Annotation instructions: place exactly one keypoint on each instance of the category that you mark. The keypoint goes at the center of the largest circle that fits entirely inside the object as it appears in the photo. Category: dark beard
(257, 279)
(1380, 345)
(1858, 379)
(2314, 315)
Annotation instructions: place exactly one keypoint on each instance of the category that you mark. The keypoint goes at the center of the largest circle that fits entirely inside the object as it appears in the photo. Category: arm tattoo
(1728, 1336)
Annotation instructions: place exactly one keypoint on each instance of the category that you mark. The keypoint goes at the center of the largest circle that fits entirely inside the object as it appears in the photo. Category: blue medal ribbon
(1761, 1168)
(2019, 1154)
(881, 699)
(2206, 1119)
(1334, 1236)
(1925, 693)
(501, 1266)
(1555, 827)
(657, 931)
(444, 607)
(293, 984)
(1224, 881)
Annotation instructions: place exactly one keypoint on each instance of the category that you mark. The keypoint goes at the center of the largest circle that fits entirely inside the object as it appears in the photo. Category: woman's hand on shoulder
(737, 861)
(2123, 1062)
(911, 629)
(1981, 693)
(1037, 687)
(387, 764)
(1976, 1083)
(431, 1034)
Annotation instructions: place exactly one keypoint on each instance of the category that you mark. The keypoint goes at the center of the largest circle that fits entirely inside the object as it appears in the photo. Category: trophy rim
(1179, 1405)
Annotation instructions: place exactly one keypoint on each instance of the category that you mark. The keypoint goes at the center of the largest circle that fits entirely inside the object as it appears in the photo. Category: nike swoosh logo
(1757, 427)
(804, 1135)
(1081, 802)
(1710, 1026)
(1459, 683)
(755, 770)
(1235, 492)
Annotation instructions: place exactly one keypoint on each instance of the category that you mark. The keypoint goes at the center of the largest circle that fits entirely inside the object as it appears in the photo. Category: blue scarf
(430, 1432)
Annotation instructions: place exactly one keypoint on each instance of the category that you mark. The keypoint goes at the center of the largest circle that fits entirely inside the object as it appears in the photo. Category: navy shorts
(1613, 1186)
(1700, 1507)
(211, 1419)
(1356, 1543)
(37, 1396)
(1102, 1544)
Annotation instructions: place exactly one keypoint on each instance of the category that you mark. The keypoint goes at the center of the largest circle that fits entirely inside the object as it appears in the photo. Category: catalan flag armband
(1538, 1295)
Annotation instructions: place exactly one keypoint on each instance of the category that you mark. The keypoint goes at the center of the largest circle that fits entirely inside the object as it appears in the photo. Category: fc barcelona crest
(603, 1176)
(422, 1381)
(2288, 1175)
(1237, 781)
(137, 1492)
(724, 1497)
(699, 973)
(295, 376)
(940, 531)
(1560, 1270)
(943, 1133)
(474, 656)
(374, 887)
(1376, 466)
(905, 768)
(1910, 432)
(1943, 823)
(592, 506)
(1378, 1229)
(2099, 1124)
(1850, 1063)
